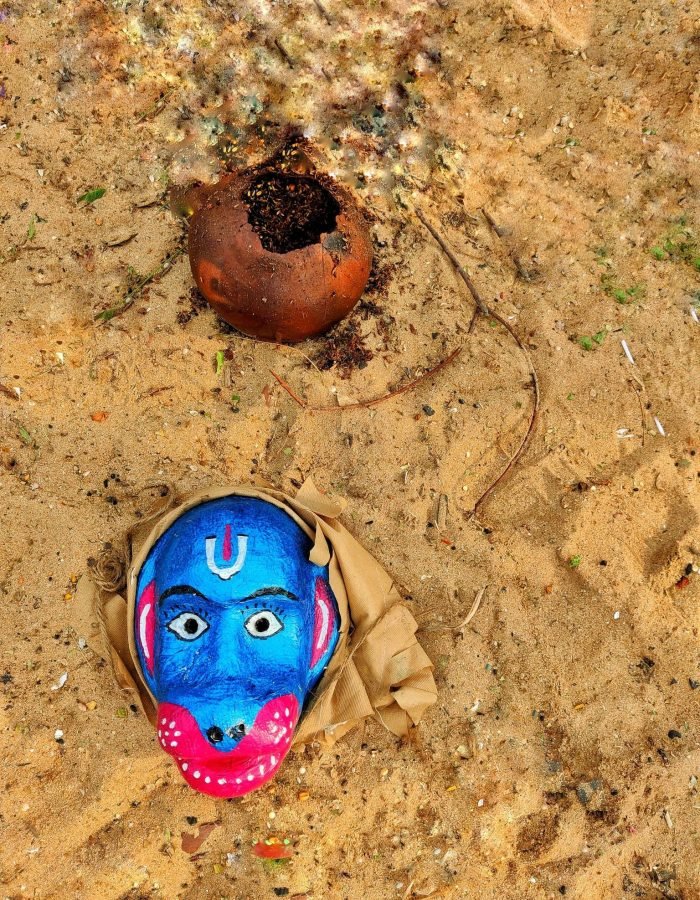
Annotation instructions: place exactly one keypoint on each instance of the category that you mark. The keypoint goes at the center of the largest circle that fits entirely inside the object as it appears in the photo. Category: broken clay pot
(280, 255)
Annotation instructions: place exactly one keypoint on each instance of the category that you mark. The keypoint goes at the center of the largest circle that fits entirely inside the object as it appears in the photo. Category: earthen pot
(279, 255)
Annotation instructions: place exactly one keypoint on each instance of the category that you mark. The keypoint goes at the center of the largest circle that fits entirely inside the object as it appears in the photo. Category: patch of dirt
(344, 350)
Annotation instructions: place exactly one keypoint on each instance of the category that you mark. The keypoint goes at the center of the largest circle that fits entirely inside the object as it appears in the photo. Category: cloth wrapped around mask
(246, 622)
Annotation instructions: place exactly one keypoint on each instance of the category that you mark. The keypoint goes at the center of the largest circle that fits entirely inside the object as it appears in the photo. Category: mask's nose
(216, 734)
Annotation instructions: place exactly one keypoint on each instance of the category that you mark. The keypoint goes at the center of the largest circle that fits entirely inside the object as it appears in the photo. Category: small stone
(428, 410)
(674, 734)
(585, 791)
(58, 736)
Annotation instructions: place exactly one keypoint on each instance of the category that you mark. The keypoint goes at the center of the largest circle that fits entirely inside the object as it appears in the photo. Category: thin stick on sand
(364, 404)
(503, 235)
(487, 311)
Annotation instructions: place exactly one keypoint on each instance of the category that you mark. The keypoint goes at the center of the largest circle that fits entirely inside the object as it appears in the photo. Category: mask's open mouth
(254, 760)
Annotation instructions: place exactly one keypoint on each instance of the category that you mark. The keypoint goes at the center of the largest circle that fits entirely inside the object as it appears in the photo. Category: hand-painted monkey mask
(234, 627)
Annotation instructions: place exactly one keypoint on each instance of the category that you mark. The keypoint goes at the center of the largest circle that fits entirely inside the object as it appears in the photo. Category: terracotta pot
(283, 275)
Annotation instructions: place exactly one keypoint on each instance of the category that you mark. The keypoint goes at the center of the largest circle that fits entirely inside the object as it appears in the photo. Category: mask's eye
(263, 624)
(188, 626)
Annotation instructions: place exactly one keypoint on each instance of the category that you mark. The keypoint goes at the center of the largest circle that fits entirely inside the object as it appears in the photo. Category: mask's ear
(145, 621)
(325, 632)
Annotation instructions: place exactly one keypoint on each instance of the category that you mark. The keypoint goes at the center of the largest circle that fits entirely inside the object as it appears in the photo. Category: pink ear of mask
(146, 624)
(324, 617)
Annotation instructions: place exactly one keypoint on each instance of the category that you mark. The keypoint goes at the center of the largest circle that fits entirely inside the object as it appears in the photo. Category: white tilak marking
(208, 780)
(184, 767)
(226, 572)
(325, 621)
(142, 632)
(221, 781)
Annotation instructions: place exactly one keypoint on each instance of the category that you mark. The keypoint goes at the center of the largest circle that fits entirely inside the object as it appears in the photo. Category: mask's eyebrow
(270, 592)
(188, 590)
(181, 589)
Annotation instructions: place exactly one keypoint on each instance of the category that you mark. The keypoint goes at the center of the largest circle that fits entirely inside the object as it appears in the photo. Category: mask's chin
(252, 763)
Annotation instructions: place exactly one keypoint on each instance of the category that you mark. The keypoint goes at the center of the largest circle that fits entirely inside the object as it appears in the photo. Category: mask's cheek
(146, 626)
(324, 622)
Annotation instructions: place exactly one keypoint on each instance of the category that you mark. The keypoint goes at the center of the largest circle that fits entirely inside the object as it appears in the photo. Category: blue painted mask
(234, 628)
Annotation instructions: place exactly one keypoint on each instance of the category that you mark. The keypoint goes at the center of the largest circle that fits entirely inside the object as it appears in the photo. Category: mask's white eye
(263, 624)
(188, 626)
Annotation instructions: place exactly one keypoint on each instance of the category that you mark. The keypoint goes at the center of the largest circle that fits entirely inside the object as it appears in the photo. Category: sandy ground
(563, 755)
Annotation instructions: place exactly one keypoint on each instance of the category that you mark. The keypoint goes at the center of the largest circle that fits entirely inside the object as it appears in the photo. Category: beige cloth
(378, 667)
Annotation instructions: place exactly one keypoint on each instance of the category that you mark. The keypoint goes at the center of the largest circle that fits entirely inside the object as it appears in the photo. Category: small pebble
(58, 735)
(674, 734)
(428, 410)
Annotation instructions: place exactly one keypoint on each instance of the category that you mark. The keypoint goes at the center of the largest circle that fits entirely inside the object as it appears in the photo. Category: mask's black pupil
(262, 624)
(191, 626)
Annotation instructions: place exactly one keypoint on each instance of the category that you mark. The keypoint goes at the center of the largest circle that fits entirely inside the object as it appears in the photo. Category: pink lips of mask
(252, 763)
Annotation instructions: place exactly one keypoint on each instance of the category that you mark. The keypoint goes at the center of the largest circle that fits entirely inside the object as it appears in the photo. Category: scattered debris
(273, 848)
(345, 349)
(192, 842)
(61, 681)
(90, 196)
(627, 351)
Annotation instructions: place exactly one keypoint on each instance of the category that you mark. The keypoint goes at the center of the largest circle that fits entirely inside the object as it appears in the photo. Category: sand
(563, 754)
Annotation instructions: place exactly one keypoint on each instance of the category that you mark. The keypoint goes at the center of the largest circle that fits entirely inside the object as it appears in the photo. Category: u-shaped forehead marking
(226, 571)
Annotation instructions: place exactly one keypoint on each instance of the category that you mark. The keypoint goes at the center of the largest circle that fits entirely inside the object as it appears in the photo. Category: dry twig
(136, 290)
(364, 404)
(7, 390)
(502, 234)
(460, 627)
(487, 311)
(283, 53)
(324, 12)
